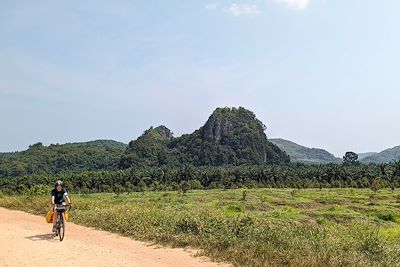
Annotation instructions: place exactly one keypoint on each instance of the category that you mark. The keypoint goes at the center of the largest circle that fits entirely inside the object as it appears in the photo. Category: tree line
(189, 177)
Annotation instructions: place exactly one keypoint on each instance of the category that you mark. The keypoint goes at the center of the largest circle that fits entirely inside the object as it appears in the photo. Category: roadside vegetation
(249, 227)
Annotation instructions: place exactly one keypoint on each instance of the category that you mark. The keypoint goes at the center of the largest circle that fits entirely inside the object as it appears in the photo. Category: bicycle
(60, 223)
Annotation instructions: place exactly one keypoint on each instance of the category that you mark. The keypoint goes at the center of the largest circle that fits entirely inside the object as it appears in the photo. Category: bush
(244, 195)
(373, 245)
(234, 209)
(387, 216)
(187, 225)
(38, 190)
(372, 199)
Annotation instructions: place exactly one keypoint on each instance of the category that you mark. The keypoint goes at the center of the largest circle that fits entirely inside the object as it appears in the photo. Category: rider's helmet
(59, 182)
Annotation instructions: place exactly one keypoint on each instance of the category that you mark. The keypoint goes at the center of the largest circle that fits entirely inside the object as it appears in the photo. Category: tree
(377, 184)
(350, 158)
(396, 166)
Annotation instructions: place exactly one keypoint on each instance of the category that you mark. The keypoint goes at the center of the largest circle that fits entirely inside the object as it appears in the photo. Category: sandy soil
(26, 240)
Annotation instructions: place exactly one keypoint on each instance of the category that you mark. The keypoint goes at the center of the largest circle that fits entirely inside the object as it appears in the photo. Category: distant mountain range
(362, 156)
(297, 153)
(385, 156)
(302, 154)
(231, 136)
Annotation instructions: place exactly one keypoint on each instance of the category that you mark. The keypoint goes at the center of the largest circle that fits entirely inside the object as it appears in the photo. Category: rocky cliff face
(231, 136)
(217, 127)
(163, 132)
(224, 122)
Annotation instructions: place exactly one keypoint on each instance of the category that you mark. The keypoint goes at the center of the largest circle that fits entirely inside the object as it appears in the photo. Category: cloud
(211, 6)
(294, 4)
(243, 9)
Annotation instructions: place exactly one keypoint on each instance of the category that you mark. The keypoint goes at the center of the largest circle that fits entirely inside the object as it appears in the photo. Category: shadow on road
(48, 237)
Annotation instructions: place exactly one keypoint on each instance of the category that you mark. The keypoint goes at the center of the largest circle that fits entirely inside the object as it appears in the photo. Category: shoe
(54, 230)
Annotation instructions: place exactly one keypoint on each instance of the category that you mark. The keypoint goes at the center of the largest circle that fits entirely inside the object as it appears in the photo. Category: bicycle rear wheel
(61, 230)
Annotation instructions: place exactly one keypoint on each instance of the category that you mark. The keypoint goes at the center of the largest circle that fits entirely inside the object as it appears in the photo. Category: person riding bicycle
(58, 195)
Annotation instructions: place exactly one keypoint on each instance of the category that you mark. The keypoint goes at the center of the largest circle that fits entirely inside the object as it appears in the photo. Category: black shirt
(59, 196)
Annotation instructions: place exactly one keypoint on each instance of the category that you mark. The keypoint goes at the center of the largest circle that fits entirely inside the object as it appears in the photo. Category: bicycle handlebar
(69, 206)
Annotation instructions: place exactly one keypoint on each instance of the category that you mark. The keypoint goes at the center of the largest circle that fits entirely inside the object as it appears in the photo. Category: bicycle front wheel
(61, 230)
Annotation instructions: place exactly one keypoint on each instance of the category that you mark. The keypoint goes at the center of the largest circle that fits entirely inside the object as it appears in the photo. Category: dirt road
(25, 240)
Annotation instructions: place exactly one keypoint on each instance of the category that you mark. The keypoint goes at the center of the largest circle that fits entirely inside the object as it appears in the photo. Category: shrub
(38, 190)
(187, 225)
(234, 209)
(387, 216)
(244, 195)
(373, 245)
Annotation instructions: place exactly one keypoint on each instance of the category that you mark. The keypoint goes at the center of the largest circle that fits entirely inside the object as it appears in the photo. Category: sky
(321, 73)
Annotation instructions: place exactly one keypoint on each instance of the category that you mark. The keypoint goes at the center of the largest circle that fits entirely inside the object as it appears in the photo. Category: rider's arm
(69, 201)
(53, 196)
(66, 196)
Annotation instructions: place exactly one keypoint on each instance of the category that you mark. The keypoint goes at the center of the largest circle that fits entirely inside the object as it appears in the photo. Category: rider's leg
(54, 219)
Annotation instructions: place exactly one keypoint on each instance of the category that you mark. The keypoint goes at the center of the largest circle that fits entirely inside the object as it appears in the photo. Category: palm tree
(396, 166)
(382, 168)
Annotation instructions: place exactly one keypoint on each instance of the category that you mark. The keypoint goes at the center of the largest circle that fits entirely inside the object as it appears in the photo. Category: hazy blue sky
(322, 73)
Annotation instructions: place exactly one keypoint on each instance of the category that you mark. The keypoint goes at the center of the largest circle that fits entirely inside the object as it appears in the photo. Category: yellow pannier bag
(66, 215)
(49, 216)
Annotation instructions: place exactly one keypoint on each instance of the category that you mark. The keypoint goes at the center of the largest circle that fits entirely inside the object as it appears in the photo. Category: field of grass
(251, 227)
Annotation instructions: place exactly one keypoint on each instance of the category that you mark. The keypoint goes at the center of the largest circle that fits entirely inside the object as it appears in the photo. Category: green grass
(258, 227)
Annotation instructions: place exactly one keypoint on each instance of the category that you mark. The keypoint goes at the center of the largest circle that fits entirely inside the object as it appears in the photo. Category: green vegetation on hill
(6, 155)
(304, 154)
(104, 144)
(149, 150)
(231, 136)
(251, 227)
(231, 150)
(385, 156)
(39, 159)
(364, 155)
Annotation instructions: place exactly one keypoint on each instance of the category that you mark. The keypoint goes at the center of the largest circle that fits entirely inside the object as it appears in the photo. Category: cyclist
(58, 196)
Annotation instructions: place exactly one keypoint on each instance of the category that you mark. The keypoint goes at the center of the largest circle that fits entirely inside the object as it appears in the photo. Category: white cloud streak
(294, 4)
(211, 7)
(243, 10)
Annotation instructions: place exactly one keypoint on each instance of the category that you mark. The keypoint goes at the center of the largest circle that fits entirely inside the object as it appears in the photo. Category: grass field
(251, 227)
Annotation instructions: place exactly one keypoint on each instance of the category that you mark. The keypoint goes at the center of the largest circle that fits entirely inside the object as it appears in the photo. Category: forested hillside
(362, 156)
(39, 159)
(231, 136)
(104, 144)
(385, 156)
(6, 155)
(304, 154)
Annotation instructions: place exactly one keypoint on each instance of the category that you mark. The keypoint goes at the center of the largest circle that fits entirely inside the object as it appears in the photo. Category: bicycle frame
(60, 224)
